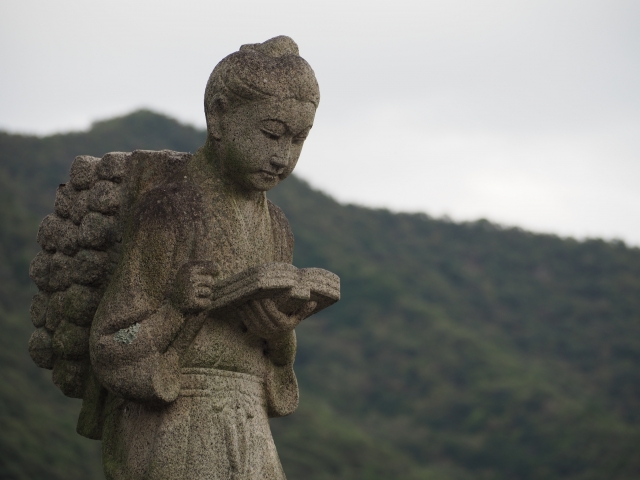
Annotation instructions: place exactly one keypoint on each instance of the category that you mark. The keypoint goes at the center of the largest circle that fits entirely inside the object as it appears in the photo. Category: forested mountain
(458, 351)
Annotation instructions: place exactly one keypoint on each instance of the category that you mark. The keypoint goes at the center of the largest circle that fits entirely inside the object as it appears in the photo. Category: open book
(288, 286)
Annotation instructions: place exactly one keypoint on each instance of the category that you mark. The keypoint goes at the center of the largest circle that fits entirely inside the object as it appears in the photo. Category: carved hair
(259, 71)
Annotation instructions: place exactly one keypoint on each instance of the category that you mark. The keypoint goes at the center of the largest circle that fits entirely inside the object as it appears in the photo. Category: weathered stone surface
(80, 207)
(175, 320)
(105, 197)
(83, 172)
(55, 311)
(40, 348)
(91, 418)
(80, 304)
(62, 271)
(38, 309)
(58, 234)
(149, 168)
(113, 166)
(97, 231)
(65, 199)
(70, 376)
(67, 237)
(91, 267)
(70, 341)
(46, 233)
(39, 270)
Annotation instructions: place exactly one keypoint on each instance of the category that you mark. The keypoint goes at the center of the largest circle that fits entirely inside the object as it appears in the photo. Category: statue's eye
(302, 136)
(300, 139)
(273, 129)
(269, 134)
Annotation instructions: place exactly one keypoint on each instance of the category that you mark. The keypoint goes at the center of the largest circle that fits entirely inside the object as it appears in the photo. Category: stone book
(290, 287)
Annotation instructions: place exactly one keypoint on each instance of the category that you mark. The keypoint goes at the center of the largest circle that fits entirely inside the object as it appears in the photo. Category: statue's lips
(269, 175)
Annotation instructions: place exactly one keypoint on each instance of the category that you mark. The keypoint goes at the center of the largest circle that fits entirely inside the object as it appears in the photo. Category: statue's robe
(190, 394)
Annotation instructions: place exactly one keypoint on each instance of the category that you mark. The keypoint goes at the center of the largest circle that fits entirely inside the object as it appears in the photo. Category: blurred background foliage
(458, 351)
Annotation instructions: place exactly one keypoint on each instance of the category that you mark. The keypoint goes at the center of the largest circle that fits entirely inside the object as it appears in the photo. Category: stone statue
(168, 300)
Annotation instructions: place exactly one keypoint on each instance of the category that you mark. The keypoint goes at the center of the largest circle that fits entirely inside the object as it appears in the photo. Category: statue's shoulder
(178, 201)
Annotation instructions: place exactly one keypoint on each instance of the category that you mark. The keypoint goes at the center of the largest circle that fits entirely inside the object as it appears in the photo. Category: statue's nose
(279, 163)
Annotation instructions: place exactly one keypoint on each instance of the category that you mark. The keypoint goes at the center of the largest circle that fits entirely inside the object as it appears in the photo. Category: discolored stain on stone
(127, 335)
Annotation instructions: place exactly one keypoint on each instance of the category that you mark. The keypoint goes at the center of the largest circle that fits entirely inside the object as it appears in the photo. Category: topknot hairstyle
(259, 71)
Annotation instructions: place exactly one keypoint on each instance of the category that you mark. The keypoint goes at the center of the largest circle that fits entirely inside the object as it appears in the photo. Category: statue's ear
(214, 117)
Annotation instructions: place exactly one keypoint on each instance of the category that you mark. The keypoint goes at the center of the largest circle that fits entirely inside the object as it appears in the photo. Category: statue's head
(260, 103)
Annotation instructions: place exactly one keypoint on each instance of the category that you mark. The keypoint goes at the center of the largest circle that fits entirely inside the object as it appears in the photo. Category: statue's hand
(193, 285)
(264, 319)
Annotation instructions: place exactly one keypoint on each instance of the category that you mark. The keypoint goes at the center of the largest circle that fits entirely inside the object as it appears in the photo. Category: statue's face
(261, 141)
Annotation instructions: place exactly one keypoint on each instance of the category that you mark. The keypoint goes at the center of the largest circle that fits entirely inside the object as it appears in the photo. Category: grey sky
(524, 112)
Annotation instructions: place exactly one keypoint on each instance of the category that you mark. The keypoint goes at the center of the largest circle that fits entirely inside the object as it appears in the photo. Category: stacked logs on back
(81, 243)
(80, 249)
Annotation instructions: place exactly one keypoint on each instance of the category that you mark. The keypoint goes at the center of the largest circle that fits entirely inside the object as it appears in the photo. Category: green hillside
(458, 351)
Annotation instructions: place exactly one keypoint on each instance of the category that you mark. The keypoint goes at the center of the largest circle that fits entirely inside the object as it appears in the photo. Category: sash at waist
(204, 382)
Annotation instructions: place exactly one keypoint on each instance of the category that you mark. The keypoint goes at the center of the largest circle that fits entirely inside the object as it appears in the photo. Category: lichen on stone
(127, 335)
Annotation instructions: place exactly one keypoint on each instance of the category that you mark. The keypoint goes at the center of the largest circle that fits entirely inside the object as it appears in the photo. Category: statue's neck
(209, 168)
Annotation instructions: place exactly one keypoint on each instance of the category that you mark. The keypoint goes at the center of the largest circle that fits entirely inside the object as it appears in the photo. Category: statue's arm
(137, 320)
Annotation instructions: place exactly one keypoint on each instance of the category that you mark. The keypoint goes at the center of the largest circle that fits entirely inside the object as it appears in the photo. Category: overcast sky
(523, 112)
